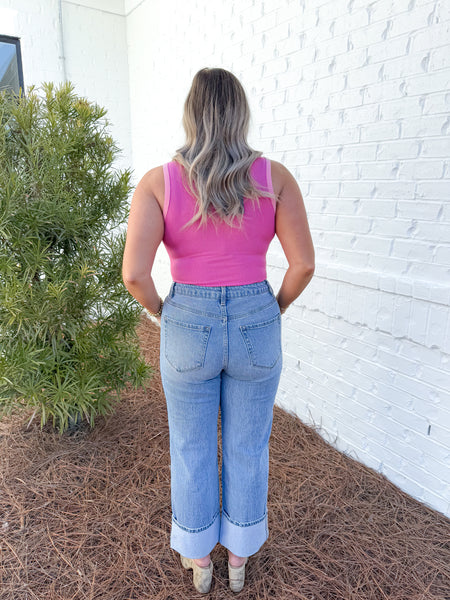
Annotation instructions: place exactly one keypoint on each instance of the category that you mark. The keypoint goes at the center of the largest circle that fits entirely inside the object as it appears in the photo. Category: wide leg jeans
(220, 347)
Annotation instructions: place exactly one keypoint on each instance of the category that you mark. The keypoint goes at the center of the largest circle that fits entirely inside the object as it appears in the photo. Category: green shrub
(68, 342)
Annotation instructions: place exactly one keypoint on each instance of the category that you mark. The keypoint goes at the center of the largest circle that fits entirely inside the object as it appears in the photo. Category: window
(11, 76)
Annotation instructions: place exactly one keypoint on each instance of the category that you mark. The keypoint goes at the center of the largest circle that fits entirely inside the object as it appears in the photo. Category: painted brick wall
(353, 97)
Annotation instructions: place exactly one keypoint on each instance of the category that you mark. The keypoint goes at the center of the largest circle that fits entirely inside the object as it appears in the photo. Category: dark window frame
(9, 39)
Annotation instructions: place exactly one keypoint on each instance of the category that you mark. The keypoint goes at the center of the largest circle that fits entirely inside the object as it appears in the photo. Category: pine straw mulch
(87, 516)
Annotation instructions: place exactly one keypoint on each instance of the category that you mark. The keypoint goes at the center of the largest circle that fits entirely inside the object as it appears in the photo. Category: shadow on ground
(87, 516)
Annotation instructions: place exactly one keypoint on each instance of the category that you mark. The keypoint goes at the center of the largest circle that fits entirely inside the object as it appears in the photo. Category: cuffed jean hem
(243, 539)
(194, 543)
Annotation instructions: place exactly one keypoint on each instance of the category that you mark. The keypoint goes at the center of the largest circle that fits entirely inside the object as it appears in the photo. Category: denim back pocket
(263, 342)
(185, 344)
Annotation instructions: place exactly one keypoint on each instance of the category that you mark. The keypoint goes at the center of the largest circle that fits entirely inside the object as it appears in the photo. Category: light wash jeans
(220, 346)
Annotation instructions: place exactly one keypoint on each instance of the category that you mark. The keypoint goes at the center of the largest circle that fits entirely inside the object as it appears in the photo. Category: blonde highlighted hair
(216, 156)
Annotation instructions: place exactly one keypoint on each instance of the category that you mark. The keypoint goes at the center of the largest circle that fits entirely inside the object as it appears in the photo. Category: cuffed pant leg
(195, 543)
(243, 539)
(192, 409)
(246, 415)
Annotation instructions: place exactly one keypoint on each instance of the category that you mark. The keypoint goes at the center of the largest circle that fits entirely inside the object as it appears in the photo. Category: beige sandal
(202, 576)
(236, 576)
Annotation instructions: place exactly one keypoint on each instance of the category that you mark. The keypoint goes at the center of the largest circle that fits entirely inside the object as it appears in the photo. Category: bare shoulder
(291, 221)
(154, 178)
(153, 182)
(282, 178)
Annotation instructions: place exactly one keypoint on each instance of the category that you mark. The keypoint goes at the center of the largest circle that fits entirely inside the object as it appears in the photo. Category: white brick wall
(353, 97)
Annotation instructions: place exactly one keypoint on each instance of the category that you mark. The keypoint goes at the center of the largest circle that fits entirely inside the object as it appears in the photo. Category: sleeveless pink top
(226, 256)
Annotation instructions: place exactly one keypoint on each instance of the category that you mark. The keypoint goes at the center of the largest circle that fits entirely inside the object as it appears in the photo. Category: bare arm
(292, 229)
(144, 234)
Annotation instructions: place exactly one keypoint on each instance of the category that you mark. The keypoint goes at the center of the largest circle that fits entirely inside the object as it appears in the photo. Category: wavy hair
(216, 156)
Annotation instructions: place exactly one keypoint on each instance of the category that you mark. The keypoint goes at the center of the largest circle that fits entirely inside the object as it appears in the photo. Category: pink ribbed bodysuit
(223, 256)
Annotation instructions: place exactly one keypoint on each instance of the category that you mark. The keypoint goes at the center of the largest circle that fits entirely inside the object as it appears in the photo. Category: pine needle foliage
(68, 342)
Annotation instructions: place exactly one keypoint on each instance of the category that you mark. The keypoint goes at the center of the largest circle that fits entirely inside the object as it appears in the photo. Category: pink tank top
(223, 256)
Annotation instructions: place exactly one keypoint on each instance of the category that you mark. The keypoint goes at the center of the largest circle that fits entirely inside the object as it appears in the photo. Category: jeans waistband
(224, 291)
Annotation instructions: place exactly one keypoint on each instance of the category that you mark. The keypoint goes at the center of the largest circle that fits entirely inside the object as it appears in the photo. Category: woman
(216, 206)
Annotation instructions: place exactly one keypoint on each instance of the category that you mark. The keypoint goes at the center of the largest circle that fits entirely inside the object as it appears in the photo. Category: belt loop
(224, 295)
(172, 290)
(270, 287)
